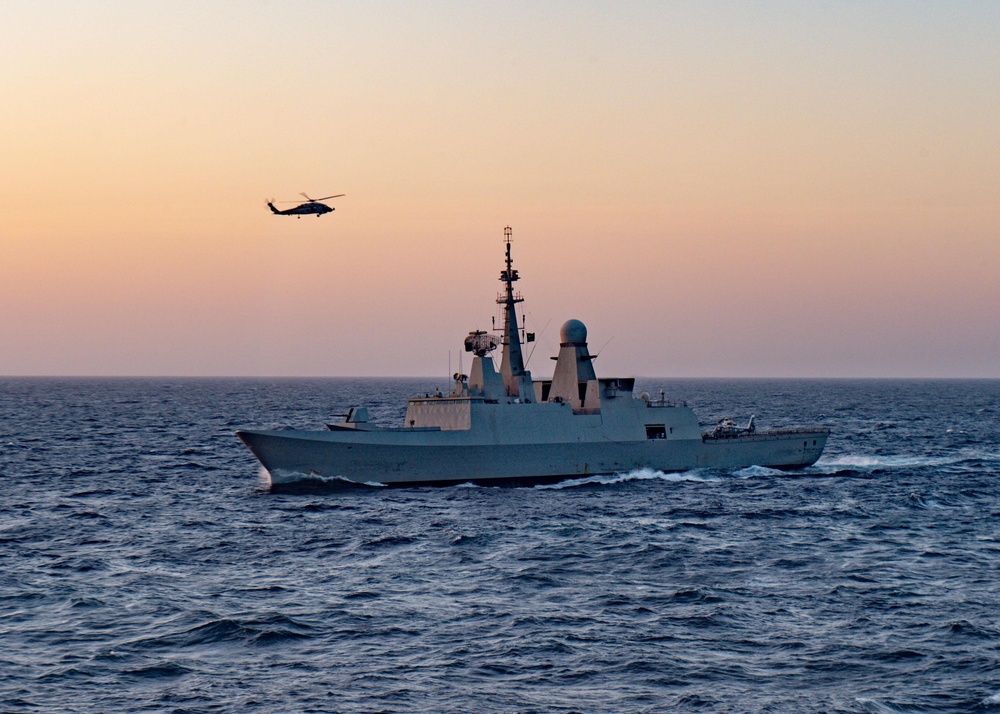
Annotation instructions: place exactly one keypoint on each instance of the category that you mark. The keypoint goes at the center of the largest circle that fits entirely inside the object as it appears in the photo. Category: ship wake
(698, 475)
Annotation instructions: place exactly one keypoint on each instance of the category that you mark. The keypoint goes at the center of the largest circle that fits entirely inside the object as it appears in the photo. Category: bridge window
(656, 431)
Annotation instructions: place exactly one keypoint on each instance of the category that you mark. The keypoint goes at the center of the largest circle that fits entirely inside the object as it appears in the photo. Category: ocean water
(145, 566)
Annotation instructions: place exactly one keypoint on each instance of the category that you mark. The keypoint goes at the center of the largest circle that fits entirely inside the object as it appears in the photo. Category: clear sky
(731, 189)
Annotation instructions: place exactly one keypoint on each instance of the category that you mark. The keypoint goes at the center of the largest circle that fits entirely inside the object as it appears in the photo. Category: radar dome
(573, 332)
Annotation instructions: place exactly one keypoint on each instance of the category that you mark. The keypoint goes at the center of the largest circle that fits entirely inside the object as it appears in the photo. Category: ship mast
(516, 380)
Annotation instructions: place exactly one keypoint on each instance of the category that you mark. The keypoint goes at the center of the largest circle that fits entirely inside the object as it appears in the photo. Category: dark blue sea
(145, 565)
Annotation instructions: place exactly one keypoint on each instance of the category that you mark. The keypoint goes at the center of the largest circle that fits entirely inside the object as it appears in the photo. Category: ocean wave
(754, 471)
(253, 630)
(992, 701)
(694, 595)
(866, 461)
(160, 670)
(389, 541)
(971, 457)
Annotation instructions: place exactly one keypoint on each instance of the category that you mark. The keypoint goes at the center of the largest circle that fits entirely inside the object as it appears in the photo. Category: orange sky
(777, 189)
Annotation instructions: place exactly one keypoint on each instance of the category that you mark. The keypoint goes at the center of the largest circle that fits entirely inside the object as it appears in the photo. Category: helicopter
(311, 206)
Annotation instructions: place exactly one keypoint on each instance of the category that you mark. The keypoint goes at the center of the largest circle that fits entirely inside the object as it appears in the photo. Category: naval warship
(499, 427)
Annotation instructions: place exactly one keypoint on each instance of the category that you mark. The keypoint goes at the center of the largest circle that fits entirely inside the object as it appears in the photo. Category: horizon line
(449, 379)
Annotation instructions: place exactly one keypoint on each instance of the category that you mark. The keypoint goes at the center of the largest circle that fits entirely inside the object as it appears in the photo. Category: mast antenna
(512, 359)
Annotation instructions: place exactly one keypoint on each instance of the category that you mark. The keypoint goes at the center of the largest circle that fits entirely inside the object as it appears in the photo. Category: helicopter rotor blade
(307, 198)
(326, 197)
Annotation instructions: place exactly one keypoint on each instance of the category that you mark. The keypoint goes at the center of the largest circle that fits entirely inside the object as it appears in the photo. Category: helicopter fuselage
(305, 209)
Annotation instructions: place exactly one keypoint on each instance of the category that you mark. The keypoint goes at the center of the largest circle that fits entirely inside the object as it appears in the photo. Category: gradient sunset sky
(751, 189)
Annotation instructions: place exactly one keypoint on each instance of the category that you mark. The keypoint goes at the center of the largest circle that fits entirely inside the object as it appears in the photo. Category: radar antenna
(479, 342)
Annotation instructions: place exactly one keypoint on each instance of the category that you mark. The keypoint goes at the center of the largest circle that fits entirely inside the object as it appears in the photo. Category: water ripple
(145, 568)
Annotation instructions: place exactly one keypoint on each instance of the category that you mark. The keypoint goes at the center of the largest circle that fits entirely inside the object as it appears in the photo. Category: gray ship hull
(402, 459)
